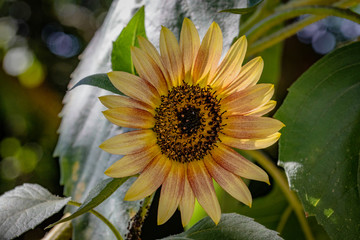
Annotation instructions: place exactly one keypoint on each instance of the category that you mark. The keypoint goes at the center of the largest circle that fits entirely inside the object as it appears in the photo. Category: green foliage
(97, 195)
(231, 227)
(121, 55)
(319, 148)
(100, 80)
(25, 207)
(250, 8)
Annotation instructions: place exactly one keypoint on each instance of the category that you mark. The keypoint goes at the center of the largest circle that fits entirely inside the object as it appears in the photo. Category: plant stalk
(280, 178)
(102, 218)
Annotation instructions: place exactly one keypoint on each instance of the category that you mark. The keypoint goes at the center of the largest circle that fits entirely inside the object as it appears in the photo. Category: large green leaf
(25, 207)
(319, 148)
(83, 126)
(121, 55)
(231, 227)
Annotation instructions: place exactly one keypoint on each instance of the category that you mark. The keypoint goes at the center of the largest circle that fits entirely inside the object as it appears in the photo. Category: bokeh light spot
(27, 159)
(33, 76)
(17, 60)
(9, 146)
(323, 42)
(8, 29)
(10, 168)
(63, 45)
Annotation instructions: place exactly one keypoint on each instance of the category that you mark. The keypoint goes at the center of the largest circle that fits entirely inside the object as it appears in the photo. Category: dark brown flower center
(187, 122)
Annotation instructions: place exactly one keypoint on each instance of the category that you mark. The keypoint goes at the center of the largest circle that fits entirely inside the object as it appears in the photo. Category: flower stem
(102, 218)
(280, 178)
(291, 29)
(136, 223)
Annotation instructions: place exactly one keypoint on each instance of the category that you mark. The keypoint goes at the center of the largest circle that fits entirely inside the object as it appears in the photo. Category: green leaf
(84, 128)
(319, 148)
(249, 9)
(121, 55)
(25, 207)
(97, 195)
(100, 80)
(232, 226)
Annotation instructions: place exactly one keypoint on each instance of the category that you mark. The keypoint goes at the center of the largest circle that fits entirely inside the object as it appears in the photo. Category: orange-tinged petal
(130, 117)
(129, 142)
(147, 47)
(149, 70)
(229, 181)
(171, 55)
(115, 101)
(209, 53)
(248, 99)
(132, 163)
(250, 127)
(230, 67)
(171, 192)
(135, 87)
(249, 75)
(187, 202)
(150, 179)
(262, 110)
(189, 44)
(249, 144)
(237, 164)
(203, 188)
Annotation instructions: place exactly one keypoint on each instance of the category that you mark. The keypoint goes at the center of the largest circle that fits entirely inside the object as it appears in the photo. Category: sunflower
(189, 112)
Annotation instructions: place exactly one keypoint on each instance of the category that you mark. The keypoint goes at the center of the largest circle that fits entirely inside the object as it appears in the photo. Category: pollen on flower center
(187, 122)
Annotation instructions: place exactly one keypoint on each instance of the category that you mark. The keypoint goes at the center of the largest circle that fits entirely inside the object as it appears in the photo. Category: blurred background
(40, 44)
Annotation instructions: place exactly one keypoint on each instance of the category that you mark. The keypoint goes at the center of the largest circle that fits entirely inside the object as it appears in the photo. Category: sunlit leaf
(319, 148)
(25, 207)
(120, 55)
(232, 226)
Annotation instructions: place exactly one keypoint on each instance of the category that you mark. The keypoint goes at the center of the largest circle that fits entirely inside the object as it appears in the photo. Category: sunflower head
(189, 112)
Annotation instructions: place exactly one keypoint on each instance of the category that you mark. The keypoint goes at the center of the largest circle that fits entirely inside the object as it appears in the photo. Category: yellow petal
(230, 67)
(189, 44)
(135, 87)
(203, 188)
(229, 182)
(129, 142)
(248, 127)
(237, 164)
(171, 56)
(263, 109)
(130, 117)
(249, 144)
(209, 53)
(149, 70)
(187, 202)
(171, 192)
(133, 163)
(248, 99)
(147, 47)
(249, 75)
(150, 179)
(115, 101)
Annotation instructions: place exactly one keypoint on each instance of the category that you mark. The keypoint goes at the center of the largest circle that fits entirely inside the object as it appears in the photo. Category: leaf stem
(102, 218)
(280, 178)
(263, 26)
(284, 217)
(290, 30)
